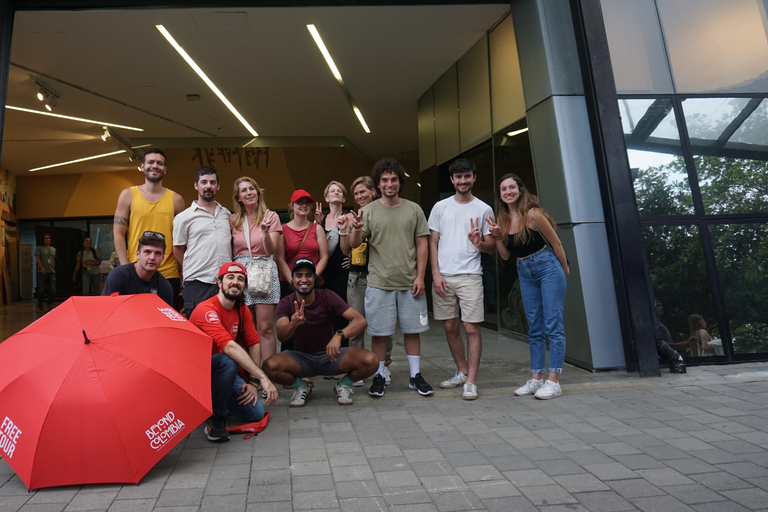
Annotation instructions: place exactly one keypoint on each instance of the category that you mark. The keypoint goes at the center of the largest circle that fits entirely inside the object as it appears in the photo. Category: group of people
(317, 282)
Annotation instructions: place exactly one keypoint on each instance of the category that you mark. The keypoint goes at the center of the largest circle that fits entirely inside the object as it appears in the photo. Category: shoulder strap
(301, 246)
(530, 216)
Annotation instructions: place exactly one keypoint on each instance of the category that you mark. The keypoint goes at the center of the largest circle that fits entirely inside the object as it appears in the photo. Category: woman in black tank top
(525, 231)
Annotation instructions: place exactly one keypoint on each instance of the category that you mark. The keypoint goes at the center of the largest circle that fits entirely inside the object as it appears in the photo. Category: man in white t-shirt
(457, 226)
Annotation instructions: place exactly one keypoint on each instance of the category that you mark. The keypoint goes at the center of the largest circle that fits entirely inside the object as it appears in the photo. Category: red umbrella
(100, 389)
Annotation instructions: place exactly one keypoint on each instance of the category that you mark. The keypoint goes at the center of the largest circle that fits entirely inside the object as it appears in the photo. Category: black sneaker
(677, 365)
(216, 429)
(419, 384)
(377, 388)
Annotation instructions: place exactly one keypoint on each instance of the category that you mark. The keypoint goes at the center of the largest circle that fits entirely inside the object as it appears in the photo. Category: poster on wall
(25, 279)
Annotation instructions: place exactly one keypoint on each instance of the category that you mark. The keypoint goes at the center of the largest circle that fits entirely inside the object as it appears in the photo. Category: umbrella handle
(87, 341)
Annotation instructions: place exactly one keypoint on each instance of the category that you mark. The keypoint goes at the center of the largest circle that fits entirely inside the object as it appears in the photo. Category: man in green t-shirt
(398, 242)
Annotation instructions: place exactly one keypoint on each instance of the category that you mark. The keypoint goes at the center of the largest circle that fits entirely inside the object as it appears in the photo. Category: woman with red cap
(301, 238)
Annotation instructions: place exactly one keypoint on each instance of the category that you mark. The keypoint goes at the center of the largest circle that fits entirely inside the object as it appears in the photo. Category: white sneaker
(387, 376)
(344, 394)
(529, 388)
(549, 390)
(300, 396)
(359, 383)
(457, 380)
(470, 391)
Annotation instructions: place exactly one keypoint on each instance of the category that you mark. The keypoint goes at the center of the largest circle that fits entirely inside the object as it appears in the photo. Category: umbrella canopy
(100, 389)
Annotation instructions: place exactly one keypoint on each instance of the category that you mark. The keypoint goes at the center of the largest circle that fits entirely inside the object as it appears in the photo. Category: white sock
(413, 363)
(380, 371)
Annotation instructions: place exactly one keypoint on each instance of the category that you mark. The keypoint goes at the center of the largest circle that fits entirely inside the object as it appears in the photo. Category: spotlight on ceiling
(46, 94)
(107, 135)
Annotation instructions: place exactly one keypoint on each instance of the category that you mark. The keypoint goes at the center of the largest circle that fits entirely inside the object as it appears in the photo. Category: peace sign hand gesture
(474, 231)
(357, 219)
(266, 222)
(318, 212)
(297, 318)
(493, 228)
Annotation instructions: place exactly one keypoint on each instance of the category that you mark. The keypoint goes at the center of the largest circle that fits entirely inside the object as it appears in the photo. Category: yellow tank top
(157, 216)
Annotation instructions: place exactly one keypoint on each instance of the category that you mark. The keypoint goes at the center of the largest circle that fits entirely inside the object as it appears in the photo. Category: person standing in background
(89, 259)
(45, 257)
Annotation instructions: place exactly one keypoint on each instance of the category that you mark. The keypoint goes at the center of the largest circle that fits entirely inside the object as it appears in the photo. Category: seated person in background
(114, 261)
(308, 316)
(142, 276)
(221, 317)
(698, 342)
(663, 340)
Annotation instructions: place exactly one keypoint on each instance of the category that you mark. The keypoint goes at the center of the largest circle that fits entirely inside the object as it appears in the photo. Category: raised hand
(318, 212)
(357, 219)
(266, 222)
(493, 228)
(341, 222)
(298, 316)
(474, 231)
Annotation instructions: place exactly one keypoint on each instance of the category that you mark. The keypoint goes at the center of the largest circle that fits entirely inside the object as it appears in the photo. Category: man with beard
(456, 226)
(398, 249)
(202, 239)
(148, 207)
(308, 316)
(142, 276)
(228, 321)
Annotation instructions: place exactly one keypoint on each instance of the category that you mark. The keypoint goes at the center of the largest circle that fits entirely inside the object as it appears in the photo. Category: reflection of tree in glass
(659, 191)
(732, 185)
(741, 252)
(679, 277)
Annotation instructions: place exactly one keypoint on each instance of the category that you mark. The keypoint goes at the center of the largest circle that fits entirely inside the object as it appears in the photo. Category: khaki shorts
(465, 294)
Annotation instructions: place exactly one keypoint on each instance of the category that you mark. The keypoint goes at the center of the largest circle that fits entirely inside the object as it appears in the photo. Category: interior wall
(278, 170)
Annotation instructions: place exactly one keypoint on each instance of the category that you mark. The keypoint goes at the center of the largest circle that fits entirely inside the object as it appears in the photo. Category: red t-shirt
(311, 248)
(223, 326)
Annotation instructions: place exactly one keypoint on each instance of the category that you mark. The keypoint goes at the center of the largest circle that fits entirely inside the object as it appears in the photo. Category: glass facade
(699, 166)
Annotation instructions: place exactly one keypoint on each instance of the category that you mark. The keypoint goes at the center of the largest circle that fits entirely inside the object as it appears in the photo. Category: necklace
(513, 213)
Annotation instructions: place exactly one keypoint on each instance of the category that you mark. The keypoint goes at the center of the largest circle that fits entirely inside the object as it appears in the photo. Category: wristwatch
(341, 334)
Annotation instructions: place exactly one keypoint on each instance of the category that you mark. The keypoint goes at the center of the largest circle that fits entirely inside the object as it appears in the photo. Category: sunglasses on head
(154, 234)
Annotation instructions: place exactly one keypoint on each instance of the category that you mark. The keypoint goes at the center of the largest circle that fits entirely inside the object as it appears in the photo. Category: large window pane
(732, 171)
(637, 50)
(680, 282)
(716, 45)
(659, 173)
(741, 252)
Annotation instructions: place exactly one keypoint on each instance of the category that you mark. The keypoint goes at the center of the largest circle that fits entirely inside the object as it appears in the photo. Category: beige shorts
(465, 294)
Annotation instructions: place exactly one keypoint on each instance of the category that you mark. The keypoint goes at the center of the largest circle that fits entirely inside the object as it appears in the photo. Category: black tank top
(536, 243)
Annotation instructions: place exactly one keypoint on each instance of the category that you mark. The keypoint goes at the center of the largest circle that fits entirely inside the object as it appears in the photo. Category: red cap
(299, 194)
(227, 269)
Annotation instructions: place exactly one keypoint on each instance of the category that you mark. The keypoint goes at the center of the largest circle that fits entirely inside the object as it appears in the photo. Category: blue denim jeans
(225, 390)
(542, 286)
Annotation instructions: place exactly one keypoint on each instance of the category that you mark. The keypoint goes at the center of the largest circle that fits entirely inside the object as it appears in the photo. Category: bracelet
(497, 237)
(358, 229)
(477, 244)
(343, 233)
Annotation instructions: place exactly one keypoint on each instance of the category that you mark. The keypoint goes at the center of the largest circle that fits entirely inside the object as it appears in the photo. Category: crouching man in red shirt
(228, 321)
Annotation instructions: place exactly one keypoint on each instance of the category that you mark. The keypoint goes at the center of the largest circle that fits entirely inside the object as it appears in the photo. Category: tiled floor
(612, 442)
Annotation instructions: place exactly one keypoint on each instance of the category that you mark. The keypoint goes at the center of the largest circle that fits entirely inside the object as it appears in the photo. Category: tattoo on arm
(121, 220)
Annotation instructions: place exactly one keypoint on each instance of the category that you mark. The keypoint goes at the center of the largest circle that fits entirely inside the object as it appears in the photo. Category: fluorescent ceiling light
(80, 119)
(78, 160)
(360, 118)
(321, 46)
(205, 79)
(517, 132)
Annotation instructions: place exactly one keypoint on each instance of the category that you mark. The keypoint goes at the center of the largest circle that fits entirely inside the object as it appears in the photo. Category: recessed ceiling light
(78, 160)
(331, 64)
(79, 119)
(205, 78)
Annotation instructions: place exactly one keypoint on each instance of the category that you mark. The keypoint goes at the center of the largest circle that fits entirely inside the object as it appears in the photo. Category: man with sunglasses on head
(142, 276)
(149, 207)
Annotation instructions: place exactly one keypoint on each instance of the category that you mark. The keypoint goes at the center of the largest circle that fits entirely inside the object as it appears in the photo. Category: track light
(46, 94)
(107, 135)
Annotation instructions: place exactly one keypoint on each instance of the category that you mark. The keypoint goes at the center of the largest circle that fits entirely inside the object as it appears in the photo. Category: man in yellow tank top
(148, 207)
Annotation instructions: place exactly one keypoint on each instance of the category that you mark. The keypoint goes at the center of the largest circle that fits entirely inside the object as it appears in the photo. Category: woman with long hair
(264, 231)
(527, 232)
(699, 338)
